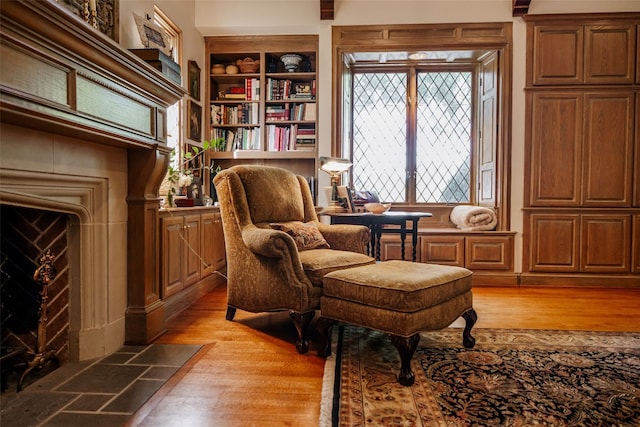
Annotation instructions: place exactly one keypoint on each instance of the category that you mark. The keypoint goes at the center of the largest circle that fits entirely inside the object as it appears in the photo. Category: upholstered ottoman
(400, 298)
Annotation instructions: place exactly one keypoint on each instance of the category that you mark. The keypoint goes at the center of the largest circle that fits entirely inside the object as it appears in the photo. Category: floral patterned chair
(277, 251)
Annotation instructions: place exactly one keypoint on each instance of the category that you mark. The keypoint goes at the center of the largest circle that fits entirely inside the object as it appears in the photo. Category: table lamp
(335, 167)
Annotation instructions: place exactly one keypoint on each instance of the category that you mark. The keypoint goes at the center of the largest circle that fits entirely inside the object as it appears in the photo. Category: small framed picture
(194, 191)
(302, 89)
(194, 80)
(151, 35)
(345, 197)
(194, 117)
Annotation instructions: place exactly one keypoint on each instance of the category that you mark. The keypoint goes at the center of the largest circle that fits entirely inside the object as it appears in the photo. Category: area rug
(510, 378)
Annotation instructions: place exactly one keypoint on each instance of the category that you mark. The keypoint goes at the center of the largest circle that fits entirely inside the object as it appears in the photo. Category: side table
(394, 222)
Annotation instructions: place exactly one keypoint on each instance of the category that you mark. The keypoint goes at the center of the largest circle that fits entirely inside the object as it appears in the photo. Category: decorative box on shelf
(161, 62)
(183, 202)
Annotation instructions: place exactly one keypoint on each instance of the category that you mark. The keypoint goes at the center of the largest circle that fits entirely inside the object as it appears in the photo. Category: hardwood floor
(249, 373)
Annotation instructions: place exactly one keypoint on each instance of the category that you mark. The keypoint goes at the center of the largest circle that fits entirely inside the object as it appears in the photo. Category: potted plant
(180, 175)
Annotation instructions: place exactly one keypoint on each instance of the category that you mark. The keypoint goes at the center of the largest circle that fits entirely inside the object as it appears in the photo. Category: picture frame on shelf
(345, 195)
(194, 191)
(194, 80)
(151, 35)
(302, 89)
(194, 118)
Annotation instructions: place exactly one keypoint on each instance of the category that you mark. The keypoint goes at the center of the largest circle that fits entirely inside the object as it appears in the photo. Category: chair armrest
(346, 237)
(268, 242)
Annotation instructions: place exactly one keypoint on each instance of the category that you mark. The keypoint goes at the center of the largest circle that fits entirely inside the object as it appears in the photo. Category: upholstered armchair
(277, 250)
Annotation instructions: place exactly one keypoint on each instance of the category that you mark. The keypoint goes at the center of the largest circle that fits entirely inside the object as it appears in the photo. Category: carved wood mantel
(60, 76)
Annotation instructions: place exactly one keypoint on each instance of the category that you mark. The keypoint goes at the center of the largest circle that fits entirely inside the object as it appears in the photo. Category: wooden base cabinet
(475, 251)
(180, 249)
(191, 253)
(582, 150)
(579, 243)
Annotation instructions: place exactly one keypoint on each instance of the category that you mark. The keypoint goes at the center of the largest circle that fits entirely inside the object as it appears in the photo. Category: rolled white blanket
(474, 218)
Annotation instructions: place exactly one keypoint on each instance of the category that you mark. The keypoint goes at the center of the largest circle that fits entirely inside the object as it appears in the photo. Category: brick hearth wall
(25, 235)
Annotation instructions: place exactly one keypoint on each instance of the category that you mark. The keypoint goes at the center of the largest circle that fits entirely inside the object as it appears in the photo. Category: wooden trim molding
(326, 10)
(521, 7)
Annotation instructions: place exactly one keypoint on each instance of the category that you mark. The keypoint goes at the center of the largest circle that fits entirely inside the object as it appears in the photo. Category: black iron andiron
(44, 275)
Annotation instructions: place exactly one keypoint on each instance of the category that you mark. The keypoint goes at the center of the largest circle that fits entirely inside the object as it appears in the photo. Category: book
(309, 111)
(240, 96)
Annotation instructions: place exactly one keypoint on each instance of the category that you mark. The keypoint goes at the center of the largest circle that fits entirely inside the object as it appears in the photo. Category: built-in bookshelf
(263, 112)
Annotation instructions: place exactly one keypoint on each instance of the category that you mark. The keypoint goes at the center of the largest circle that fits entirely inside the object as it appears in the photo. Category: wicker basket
(248, 65)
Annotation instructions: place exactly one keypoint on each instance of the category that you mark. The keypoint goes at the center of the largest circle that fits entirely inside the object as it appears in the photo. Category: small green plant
(181, 175)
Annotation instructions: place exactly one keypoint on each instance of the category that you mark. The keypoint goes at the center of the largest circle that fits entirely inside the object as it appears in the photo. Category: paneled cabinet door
(606, 243)
(489, 253)
(391, 248)
(635, 244)
(607, 176)
(172, 256)
(555, 149)
(554, 242)
(590, 54)
(558, 54)
(191, 249)
(446, 250)
(610, 53)
(208, 244)
(213, 255)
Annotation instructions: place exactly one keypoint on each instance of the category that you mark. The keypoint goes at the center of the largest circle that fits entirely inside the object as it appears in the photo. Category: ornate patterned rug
(510, 378)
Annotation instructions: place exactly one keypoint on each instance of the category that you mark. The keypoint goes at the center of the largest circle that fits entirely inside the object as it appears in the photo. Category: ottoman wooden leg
(470, 317)
(406, 347)
(324, 327)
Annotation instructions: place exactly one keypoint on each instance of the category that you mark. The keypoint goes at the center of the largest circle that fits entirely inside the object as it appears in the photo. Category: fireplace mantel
(77, 108)
(59, 73)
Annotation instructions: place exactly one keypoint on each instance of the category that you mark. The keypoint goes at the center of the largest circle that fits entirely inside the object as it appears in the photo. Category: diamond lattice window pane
(379, 134)
(443, 151)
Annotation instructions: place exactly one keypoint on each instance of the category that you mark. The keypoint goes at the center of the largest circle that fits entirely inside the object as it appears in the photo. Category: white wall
(235, 17)
(182, 13)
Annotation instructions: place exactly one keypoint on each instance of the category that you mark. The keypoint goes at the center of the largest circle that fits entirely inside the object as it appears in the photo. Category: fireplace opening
(25, 237)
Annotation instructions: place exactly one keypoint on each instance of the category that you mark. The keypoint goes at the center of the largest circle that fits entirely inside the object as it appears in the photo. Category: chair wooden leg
(231, 312)
(470, 317)
(406, 347)
(324, 327)
(302, 320)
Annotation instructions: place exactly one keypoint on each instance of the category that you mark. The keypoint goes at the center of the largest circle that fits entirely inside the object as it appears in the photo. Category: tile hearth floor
(106, 392)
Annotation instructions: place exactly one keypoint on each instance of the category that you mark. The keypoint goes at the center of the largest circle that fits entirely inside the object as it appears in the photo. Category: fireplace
(83, 135)
(88, 184)
(26, 235)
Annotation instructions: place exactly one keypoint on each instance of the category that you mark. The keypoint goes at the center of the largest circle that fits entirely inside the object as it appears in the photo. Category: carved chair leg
(406, 347)
(470, 317)
(302, 320)
(324, 328)
(231, 312)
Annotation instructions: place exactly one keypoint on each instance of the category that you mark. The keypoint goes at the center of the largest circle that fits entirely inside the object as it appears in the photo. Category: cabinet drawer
(489, 253)
(446, 250)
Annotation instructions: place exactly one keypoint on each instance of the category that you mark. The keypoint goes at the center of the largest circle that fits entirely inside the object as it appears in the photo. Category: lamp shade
(334, 165)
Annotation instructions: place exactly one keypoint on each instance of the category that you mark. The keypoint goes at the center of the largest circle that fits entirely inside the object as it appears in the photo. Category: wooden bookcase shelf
(268, 116)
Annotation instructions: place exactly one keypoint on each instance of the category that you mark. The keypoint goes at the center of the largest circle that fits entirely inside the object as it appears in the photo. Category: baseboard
(595, 281)
(495, 279)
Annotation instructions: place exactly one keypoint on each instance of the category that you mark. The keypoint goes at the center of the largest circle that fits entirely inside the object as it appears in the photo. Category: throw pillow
(306, 235)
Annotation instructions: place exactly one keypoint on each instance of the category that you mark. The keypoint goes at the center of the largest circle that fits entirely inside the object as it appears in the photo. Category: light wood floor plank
(249, 373)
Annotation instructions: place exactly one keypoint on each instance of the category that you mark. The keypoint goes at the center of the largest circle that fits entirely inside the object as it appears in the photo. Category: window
(413, 145)
(174, 112)
(423, 112)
